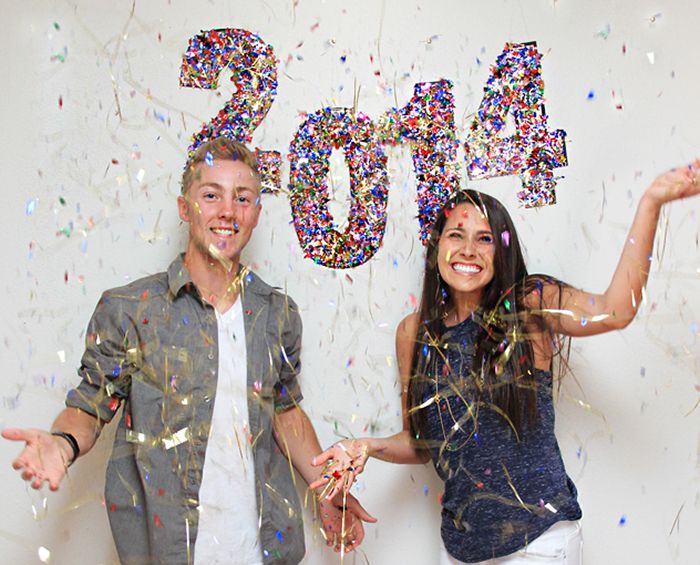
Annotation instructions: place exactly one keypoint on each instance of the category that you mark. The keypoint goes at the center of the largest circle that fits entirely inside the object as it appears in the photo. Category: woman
(476, 369)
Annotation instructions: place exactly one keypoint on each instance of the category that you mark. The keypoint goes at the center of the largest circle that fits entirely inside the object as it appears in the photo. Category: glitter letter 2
(515, 87)
(309, 154)
(254, 73)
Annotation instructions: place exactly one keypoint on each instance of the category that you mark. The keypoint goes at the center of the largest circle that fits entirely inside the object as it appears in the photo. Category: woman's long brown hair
(503, 356)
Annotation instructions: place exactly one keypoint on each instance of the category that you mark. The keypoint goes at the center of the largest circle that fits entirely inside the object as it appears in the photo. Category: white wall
(627, 424)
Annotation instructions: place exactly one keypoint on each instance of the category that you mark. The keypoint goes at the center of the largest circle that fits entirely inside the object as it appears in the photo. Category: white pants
(562, 544)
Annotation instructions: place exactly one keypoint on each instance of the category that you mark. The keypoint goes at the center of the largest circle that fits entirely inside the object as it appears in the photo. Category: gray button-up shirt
(153, 346)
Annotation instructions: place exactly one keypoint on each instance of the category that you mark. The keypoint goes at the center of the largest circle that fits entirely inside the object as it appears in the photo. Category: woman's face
(465, 253)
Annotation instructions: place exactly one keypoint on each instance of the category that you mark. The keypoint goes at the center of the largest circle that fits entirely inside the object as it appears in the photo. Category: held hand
(344, 461)
(677, 183)
(44, 457)
(341, 520)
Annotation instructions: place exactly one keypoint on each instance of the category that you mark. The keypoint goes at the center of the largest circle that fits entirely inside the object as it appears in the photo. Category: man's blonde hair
(221, 148)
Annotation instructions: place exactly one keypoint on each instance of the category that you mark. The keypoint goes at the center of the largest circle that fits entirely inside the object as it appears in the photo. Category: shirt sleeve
(105, 367)
(287, 389)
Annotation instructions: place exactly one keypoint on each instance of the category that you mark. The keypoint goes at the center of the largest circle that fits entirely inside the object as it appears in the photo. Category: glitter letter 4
(515, 87)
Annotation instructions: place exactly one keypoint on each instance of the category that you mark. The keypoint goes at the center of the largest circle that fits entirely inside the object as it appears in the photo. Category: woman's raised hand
(677, 183)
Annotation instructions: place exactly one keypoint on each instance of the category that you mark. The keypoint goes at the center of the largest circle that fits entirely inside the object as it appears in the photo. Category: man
(205, 359)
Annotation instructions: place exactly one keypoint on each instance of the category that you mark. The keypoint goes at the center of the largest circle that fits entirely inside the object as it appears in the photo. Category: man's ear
(257, 215)
(183, 208)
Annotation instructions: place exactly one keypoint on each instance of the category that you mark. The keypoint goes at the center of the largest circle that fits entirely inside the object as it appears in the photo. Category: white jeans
(562, 544)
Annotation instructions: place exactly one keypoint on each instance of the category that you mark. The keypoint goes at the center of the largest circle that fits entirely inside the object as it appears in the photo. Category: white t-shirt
(228, 530)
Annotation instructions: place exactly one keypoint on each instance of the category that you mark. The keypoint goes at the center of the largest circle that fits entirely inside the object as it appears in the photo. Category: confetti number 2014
(514, 88)
(254, 73)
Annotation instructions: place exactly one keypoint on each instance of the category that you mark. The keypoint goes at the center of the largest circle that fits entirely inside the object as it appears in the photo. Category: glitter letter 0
(309, 154)
(515, 87)
(428, 123)
(254, 73)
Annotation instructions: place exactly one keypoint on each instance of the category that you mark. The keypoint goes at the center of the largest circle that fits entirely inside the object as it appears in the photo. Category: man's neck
(216, 278)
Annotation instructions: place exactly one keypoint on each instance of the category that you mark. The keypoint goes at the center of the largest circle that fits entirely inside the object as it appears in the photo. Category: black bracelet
(70, 438)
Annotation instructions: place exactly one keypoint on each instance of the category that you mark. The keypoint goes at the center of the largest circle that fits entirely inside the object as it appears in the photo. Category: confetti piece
(623, 520)
(505, 238)
(44, 554)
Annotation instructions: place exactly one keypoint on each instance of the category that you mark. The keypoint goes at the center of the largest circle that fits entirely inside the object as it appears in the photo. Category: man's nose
(228, 208)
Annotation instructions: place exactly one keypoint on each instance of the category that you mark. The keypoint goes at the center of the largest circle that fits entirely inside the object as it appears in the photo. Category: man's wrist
(72, 443)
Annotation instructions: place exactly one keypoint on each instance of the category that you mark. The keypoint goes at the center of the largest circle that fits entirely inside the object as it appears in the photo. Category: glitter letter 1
(254, 73)
(515, 87)
(309, 153)
(428, 123)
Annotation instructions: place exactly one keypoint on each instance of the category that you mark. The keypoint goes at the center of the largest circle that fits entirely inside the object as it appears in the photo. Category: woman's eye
(486, 238)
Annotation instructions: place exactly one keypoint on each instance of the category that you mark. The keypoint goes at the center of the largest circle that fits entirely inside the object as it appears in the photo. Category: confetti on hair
(309, 155)
(515, 87)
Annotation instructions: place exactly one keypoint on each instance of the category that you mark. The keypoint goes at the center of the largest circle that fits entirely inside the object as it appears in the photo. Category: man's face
(222, 206)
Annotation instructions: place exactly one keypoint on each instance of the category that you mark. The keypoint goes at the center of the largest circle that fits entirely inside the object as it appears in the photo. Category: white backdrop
(95, 134)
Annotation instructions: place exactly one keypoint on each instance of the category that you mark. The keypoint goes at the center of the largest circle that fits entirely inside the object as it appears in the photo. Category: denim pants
(562, 544)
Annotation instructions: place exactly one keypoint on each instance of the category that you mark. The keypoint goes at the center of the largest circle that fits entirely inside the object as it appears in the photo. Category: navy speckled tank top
(500, 494)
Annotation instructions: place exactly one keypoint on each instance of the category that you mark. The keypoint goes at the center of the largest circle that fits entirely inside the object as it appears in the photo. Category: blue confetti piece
(185, 320)
(31, 205)
(591, 95)
(425, 350)
(280, 537)
(623, 520)
(694, 328)
(116, 371)
(209, 159)
(426, 490)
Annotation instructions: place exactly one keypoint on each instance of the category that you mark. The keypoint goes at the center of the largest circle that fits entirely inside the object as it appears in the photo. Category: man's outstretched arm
(46, 456)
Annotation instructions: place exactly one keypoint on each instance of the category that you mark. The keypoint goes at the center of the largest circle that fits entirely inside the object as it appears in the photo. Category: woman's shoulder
(408, 327)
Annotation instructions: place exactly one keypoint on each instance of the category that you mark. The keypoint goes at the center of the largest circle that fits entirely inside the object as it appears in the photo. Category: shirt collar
(179, 276)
